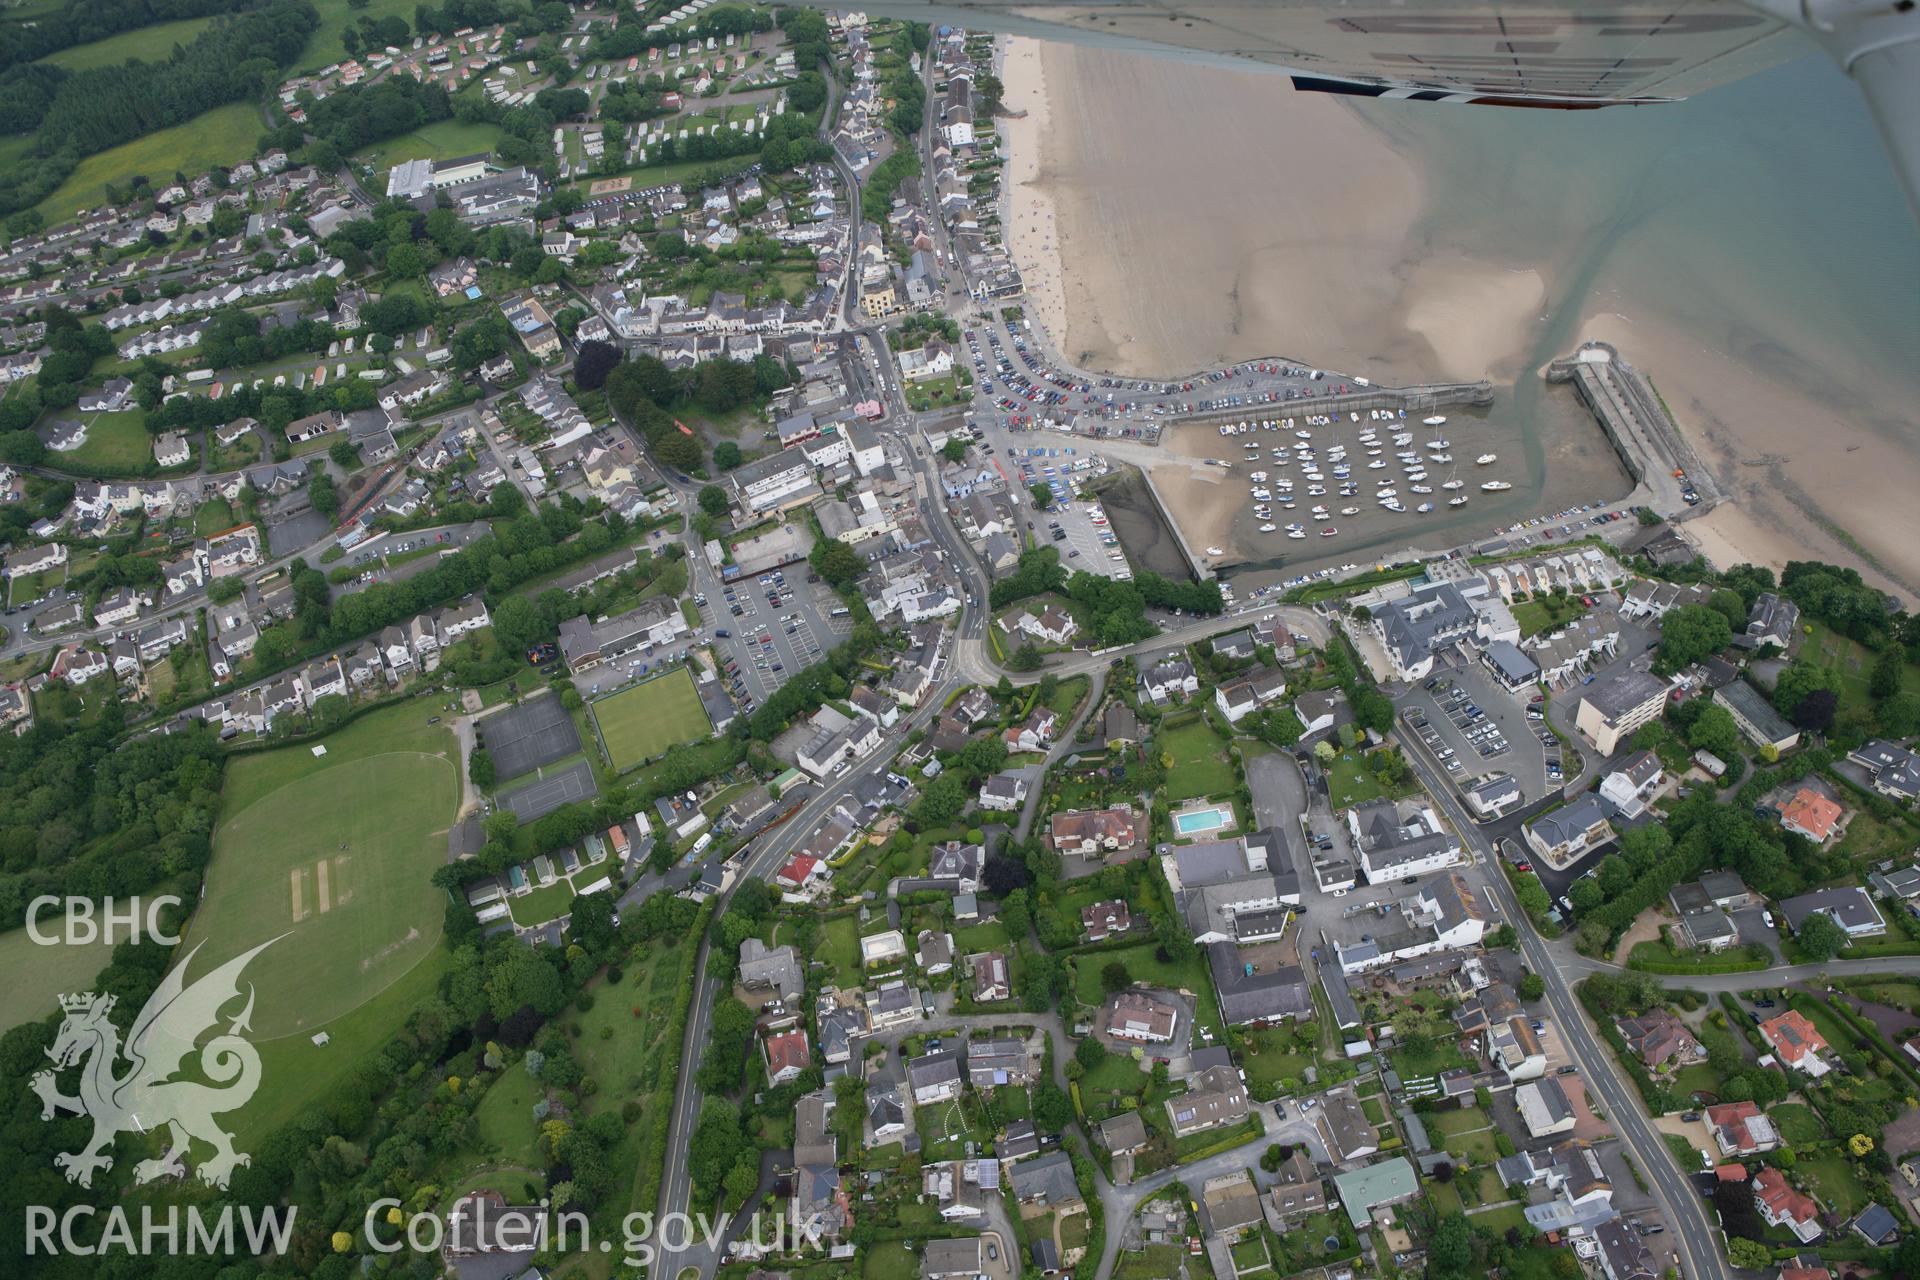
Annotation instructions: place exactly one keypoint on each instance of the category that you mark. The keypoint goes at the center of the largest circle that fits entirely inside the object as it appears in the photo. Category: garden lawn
(1834, 1179)
(890, 1261)
(503, 1122)
(1798, 1123)
(1200, 763)
(1699, 1078)
(1350, 782)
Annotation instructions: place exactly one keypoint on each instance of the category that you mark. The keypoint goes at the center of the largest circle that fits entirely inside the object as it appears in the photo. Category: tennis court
(523, 738)
(537, 799)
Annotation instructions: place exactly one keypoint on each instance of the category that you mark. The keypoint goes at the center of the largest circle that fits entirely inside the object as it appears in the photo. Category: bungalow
(1173, 674)
(992, 979)
(934, 1077)
(1848, 906)
(1344, 1127)
(1741, 1129)
(1004, 792)
(1047, 1182)
(1139, 1017)
(1123, 1134)
(1796, 1042)
(1215, 1098)
(1781, 1206)
(1812, 815)
(1544, 1107)
(1231, 1203)
(1656, 1037)
(1375, 1186)
(785, 1054)
(993, 1063)
(1094, 833)
(1895, 770)
(1102, 920)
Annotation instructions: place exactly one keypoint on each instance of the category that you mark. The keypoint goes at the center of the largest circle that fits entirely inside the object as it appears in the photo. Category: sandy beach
(1153, 252)
(1805, 473)
(1299, 225)
(1030, 216)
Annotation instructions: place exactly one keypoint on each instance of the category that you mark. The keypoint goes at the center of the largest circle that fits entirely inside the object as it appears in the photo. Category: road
(1693, 1232)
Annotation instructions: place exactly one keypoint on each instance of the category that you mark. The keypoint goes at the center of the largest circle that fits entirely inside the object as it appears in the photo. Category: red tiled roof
(1792, 1036)
(786, 1052)
(1812, 813)
(1772, 1191)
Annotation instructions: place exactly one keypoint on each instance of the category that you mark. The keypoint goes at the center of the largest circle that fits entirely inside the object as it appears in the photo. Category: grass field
(640, 723)
(341, 889)
(324, 47)
(37, 975)
(148, 44)
(117, 443)
(224, 136)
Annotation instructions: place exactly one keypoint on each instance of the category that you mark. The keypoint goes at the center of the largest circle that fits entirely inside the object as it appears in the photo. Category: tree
(837, 563)
(713, 500)
(1821, 938)
(726, 455)
(1042, 496)
(480, 769)
(1450, 1247)
(321, 494)
(954, 449)
(1749, 1255)
(1816, 710)
(1713, 730)
(1026, 658)
(1003, 875)
(343, 455)
(1115, 976)
(1688, 634)
(1532, 986)
(594, 362)
(1089, 1053)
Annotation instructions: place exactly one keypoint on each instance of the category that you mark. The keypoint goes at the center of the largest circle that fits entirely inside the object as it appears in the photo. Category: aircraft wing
(1564, 54)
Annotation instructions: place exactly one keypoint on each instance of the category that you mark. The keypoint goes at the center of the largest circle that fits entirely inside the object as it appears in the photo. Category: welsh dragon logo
(147, 1096)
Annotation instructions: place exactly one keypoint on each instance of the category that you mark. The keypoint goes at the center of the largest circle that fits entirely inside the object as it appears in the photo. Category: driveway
(1279, 792)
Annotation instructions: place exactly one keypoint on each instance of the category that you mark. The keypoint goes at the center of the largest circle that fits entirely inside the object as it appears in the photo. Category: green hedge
(647, 1191)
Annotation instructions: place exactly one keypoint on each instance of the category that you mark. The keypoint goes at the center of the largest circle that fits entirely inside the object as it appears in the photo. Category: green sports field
(640, 723)
(331, 858)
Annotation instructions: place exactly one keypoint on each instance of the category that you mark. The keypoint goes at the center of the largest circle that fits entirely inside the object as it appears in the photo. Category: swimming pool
(1195, 821)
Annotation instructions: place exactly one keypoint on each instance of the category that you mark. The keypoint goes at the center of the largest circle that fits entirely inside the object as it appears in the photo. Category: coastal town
(577, 559)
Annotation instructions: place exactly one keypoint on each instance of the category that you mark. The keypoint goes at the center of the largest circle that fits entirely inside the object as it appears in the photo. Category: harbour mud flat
(1577, 466)
(1150, 543)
